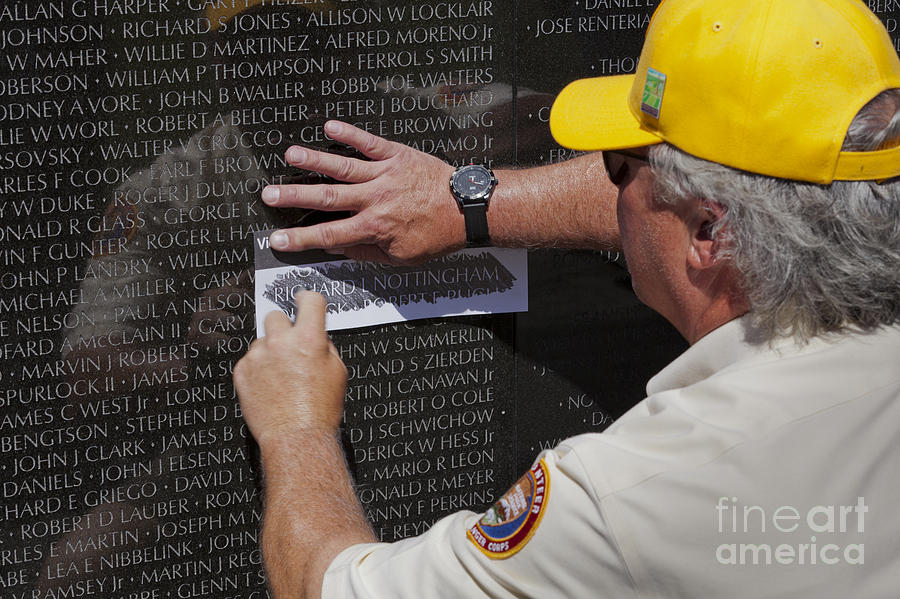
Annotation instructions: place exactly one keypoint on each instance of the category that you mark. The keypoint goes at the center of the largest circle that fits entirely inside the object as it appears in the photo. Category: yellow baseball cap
(766, 86)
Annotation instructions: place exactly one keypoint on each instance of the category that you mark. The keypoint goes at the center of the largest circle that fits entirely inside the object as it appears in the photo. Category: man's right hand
(403, 211)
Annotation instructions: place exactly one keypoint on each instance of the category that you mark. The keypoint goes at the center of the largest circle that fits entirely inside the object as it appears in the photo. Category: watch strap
(476, 225)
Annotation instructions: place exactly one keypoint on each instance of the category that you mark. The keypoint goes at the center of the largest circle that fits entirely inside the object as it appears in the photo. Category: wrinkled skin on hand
(292, 380)
(403, 211)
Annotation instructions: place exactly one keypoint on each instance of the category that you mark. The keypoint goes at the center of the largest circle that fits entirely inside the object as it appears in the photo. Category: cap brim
(593, 114)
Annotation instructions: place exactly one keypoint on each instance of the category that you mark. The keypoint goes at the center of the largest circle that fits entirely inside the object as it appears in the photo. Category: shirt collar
(718, 349)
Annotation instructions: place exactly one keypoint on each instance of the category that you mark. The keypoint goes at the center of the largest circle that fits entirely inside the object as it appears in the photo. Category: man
(759, 210)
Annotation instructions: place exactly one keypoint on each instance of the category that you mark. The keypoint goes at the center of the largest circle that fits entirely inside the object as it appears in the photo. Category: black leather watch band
(476, 225)
(472, 186)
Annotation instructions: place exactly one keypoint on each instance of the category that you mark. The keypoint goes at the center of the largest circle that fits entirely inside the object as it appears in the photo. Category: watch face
(473, 181)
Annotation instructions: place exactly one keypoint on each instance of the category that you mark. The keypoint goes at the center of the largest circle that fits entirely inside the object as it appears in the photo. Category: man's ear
(704, 246)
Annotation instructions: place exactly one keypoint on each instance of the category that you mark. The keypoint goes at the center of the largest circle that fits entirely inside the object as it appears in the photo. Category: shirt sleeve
(547, 537)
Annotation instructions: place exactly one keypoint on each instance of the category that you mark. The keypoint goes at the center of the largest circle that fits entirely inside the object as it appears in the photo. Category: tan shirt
(748, 471)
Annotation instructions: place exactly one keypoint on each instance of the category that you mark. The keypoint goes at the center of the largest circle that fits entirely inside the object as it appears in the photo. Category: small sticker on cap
(654, 89)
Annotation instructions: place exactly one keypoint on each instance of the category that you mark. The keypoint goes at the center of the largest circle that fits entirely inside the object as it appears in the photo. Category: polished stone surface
(136, 136)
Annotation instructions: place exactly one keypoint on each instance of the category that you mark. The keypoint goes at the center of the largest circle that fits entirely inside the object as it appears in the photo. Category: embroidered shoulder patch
(510, 523)
(654, 88)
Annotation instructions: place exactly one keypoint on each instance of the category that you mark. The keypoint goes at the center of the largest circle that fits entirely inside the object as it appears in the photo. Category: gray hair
(812, 258)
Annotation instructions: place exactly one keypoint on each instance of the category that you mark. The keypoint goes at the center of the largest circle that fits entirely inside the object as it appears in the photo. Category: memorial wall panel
(583, 350)
(135, 138)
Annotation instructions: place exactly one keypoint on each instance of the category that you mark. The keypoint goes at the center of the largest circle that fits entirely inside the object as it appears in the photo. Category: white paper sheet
(359, 294)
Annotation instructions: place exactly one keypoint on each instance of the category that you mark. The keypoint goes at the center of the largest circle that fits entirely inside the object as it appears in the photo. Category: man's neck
(706, 301)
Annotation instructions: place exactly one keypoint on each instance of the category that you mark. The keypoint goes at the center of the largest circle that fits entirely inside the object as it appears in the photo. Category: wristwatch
(472, 186)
